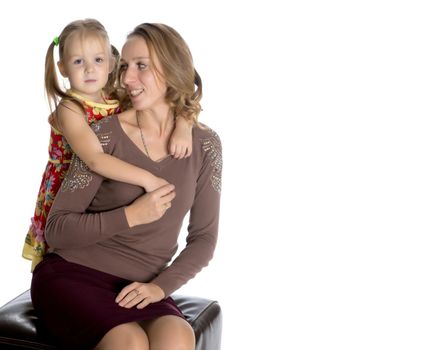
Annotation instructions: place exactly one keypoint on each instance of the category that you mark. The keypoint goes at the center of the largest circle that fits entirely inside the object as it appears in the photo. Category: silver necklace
(142, 137)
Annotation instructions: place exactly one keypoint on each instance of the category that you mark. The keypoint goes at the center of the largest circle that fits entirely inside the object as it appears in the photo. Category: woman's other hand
(139, 294)
(150, 206)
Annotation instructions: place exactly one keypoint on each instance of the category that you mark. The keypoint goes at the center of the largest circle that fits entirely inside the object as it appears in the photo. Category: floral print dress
(60, 154)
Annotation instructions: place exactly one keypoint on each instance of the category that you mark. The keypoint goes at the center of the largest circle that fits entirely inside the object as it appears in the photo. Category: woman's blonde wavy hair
(184, 85)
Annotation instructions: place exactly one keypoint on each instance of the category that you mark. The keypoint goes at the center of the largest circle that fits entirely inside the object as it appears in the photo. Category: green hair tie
(56, 40)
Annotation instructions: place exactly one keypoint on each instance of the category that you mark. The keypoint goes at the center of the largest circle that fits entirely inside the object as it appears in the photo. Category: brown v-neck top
(87, 223)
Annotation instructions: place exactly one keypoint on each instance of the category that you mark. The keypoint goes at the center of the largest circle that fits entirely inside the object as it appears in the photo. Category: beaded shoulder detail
(103, 136)
(213, 148)
(79, 175)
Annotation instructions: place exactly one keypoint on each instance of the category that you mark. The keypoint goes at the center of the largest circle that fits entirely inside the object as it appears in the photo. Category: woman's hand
(140, 294)
(150, 206)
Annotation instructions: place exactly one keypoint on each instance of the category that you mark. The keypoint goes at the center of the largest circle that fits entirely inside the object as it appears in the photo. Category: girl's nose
(89, 68)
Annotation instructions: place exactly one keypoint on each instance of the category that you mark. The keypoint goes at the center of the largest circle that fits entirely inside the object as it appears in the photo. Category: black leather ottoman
(21, 329)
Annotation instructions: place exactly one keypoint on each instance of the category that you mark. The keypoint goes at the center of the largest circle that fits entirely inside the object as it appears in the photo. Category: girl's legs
(124, 336)
(169, 333)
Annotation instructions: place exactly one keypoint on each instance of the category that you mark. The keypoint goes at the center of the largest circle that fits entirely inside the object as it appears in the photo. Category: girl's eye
(141, 66)
(99, 60)
(78, 61)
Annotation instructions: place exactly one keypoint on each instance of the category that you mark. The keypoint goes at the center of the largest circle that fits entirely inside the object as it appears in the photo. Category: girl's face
(141, 77)
(87, 64)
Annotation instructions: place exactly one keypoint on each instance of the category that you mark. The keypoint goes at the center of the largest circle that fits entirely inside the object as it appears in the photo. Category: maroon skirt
(76, 304)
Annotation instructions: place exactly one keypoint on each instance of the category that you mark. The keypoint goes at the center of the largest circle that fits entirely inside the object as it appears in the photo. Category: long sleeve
(70, 224)
(204, 219)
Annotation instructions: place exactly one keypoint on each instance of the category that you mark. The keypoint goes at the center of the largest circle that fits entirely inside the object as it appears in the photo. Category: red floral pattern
(60, 154)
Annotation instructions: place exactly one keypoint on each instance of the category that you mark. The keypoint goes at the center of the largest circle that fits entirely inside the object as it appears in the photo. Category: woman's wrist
(130, 216)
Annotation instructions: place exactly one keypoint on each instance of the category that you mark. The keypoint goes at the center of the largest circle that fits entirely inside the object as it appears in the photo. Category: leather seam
(204, 311)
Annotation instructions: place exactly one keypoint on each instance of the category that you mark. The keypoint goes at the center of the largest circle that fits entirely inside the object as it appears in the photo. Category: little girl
(87, 60)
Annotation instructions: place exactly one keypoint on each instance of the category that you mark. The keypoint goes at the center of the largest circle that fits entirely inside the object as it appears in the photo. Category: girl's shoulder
(70, 104)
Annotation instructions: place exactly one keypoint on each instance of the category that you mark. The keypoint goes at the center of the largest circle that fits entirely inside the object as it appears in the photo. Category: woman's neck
(158, 122)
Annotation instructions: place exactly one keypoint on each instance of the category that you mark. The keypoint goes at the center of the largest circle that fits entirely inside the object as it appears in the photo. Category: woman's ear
(62, 69)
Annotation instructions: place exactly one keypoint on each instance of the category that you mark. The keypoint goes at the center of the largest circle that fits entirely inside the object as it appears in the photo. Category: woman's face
(143, 80)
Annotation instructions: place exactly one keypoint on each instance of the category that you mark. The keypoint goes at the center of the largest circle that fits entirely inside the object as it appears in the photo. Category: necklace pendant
(142, 137)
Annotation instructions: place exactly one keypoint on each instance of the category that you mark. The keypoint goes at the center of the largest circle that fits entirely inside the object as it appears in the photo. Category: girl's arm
(180, 144)
(86, 145)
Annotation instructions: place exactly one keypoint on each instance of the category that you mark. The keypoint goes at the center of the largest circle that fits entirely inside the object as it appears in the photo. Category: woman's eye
(123, 67)
(141, 66)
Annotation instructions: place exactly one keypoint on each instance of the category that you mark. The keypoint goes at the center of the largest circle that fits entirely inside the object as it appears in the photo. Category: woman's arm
(204, 219)
(86, 145)
(69, 225)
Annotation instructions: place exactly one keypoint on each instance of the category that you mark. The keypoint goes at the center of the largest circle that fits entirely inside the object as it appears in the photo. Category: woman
(107, 281)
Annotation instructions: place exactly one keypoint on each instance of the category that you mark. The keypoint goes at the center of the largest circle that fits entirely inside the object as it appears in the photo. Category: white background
(327, 111)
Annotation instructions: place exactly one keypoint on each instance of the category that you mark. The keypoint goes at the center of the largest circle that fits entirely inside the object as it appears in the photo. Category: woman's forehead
(135, 47)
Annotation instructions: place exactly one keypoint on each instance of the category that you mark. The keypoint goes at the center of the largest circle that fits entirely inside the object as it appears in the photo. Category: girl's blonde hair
(85, 27)
(180, 75)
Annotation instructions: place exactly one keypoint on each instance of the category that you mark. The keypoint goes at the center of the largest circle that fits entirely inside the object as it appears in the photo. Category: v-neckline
(157, 164)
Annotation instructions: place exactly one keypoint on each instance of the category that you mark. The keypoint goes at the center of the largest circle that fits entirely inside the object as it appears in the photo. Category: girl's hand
(180, 143)
(139, 295)
(154, 183)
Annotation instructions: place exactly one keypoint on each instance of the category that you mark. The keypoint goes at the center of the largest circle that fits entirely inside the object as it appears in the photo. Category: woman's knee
(124, 336)
(170, 333)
